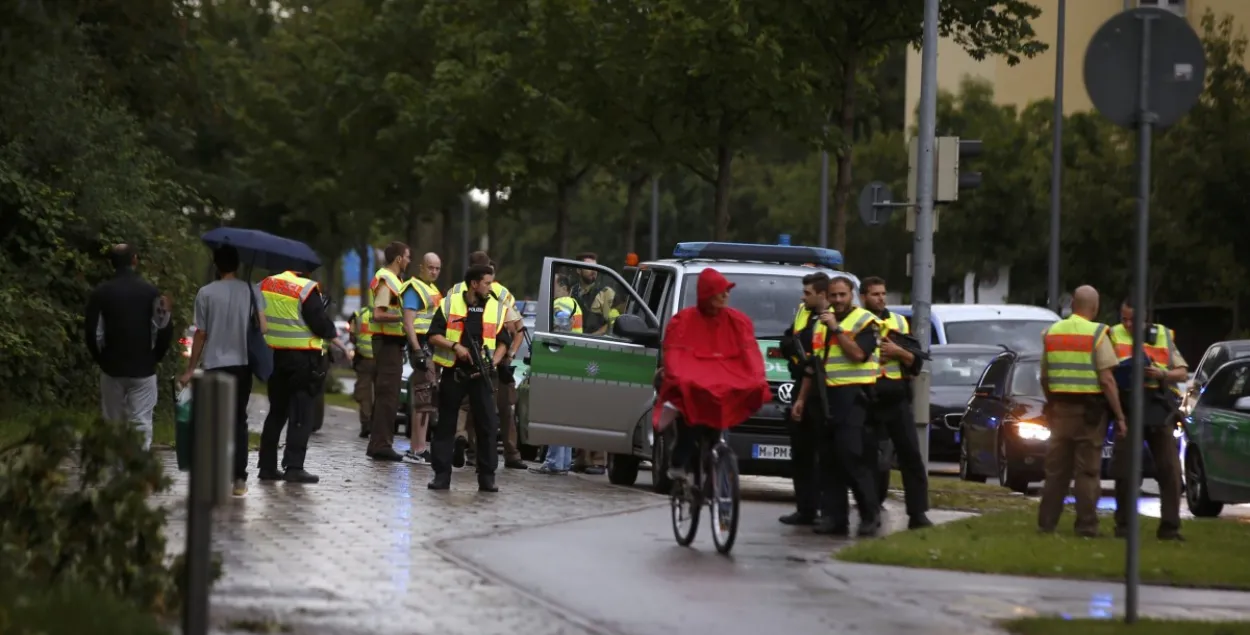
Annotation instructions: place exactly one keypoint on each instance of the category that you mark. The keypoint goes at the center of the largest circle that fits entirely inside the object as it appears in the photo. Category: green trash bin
(184, 437)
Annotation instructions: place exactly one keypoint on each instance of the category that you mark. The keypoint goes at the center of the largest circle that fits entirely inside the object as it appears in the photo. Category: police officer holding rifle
(797, 347)
(463, 332)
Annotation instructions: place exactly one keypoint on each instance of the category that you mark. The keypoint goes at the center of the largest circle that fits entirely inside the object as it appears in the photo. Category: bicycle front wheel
(686, 507)
(725, 498)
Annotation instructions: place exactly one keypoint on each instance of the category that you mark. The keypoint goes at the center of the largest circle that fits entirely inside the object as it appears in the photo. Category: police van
(595, 390)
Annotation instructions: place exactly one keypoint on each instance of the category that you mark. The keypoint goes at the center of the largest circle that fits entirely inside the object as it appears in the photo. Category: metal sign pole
(1145, 123)
(213, 420)
(1056, 163)
(922, 261)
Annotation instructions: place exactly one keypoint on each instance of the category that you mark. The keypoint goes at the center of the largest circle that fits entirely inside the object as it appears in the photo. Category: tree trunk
(633, 200)
(366, 275)
(564, 194)
(449, 244)
(846, 122)
(491, 227)
(724, 183)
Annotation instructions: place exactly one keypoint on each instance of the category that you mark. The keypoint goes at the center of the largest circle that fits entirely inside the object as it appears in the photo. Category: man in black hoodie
(128, 332)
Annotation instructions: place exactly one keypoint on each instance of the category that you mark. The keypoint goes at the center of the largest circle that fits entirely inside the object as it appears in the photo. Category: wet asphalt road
(370, 550)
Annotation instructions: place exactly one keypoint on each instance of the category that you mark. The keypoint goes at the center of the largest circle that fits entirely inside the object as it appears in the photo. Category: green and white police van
(595, 391)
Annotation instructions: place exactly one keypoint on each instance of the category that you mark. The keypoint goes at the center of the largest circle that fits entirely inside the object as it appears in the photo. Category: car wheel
(660, 481)
(965, 461)
(1006, 477)
(1196, 494)
(622, 469)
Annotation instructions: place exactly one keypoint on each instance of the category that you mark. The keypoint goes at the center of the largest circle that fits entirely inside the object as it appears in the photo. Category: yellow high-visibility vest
(284, 295)
(574, 309)
(431, 297)
(501, 292)
(800, 322)
(456, 310)
(1070, 344)
(839, 369)
(396, 305)
(891, 369)
(1159, 352)
(364, 338)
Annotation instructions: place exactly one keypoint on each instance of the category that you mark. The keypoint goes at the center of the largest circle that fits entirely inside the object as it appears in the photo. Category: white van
(1018, 327)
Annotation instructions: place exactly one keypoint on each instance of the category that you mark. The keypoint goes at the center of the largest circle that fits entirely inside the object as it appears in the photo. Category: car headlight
(1032, 431)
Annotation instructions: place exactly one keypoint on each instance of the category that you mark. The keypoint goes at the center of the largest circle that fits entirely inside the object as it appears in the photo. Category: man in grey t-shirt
(223, 311)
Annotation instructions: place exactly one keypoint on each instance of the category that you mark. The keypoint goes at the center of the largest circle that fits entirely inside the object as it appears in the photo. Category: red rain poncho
(713, 369)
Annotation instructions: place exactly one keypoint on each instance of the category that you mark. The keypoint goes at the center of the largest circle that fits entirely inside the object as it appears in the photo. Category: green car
(1217, 455)
(595, 390)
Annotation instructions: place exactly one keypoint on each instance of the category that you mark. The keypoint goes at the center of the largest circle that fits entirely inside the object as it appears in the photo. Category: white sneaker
(677, 474)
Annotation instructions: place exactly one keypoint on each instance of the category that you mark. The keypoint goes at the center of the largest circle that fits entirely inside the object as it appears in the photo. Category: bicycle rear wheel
(686, 506)
(725, 498)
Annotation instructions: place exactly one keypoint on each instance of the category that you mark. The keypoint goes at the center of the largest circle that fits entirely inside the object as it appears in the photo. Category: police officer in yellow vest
(389, 341)
(297, 329)
(1165, 368)
(892, 412)
(362, 363)
(803, 431)
(464, 328)
(421, 298)
(1080, 392)
(564, 303)
(850, 370)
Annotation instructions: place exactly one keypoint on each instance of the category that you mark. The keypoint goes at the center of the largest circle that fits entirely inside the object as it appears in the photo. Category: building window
(1175, 6)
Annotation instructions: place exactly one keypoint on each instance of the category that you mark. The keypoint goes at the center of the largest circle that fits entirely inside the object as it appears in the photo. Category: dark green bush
(75, 515)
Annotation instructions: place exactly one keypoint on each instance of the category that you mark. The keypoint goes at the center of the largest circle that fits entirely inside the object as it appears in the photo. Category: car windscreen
(1026, 380)
(1023, 336)
(770, 301)
(958, 369)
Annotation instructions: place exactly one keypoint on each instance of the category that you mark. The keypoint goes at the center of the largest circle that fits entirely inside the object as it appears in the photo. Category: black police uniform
(454, 385)
(804, 468)
(297, 378)
(891, 416)
(842, 461)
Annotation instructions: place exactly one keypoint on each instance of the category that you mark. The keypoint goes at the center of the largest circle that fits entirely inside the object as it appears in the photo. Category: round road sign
(1175, 77)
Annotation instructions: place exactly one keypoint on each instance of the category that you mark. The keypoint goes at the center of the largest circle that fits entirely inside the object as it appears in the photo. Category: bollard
(920, 412)
(212, 423)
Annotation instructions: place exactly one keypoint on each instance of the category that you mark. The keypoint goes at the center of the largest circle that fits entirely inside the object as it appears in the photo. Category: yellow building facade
(1034, 79)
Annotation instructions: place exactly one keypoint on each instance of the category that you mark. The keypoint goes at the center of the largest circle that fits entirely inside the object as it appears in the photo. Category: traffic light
(952, 152)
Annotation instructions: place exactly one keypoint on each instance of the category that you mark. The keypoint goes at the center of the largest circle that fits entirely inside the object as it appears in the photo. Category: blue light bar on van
(783, 254)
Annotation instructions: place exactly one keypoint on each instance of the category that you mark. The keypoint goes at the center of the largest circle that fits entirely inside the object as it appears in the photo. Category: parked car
(1004, 432)
(596, 392)
(1216, 356)
(954, 371)
(1018, 327)
(1217, 457)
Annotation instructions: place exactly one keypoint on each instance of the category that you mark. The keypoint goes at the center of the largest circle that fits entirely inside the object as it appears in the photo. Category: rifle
(908, 343)
(483, 364)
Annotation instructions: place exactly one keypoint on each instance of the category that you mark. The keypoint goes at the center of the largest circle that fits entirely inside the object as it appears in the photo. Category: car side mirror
(635, 329)
(1242, 404)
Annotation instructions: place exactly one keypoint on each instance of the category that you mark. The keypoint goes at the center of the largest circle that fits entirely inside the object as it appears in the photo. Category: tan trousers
(1078, 429)
(363, 394)
(1163, 448)
(587, 458)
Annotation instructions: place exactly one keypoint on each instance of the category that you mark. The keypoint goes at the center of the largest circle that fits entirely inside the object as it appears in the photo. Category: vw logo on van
(785, 392)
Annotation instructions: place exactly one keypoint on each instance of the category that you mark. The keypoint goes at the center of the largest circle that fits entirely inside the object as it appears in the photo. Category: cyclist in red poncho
(711, 369)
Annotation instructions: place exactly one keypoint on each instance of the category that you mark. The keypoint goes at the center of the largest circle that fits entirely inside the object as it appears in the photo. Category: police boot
(441, 481)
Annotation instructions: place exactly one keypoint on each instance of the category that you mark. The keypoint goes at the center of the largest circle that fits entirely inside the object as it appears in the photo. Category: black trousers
(452, 391)
(243, 393)
(804, 464)
(842, 461)
(893, 418)
(292, 388)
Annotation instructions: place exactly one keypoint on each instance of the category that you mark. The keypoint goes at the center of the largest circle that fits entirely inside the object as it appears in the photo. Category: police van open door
(591, 373)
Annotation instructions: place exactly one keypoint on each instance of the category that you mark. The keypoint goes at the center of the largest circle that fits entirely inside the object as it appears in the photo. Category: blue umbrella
(261, 249)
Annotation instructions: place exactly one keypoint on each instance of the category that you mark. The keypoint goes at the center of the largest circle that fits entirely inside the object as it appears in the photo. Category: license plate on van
(771, 452)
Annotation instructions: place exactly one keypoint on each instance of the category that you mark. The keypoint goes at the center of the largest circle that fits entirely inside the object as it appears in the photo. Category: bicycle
(714, 483)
